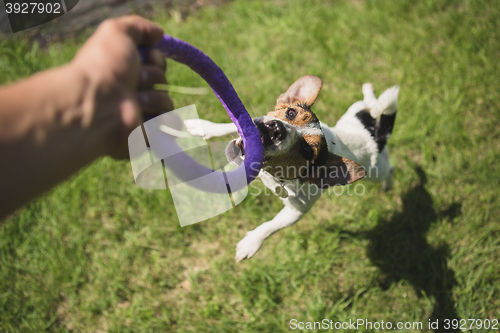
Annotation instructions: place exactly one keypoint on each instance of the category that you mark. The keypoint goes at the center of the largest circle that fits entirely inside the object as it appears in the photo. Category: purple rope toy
(183, 165)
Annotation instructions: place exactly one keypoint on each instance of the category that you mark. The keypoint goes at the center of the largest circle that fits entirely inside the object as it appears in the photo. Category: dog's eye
(308, 153)
(291, 113)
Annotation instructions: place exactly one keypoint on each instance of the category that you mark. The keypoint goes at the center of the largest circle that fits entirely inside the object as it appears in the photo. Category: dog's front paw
(199, 127)
(249, 245)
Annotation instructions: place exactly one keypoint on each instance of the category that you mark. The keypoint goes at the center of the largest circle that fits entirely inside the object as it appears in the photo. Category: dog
(303, 156)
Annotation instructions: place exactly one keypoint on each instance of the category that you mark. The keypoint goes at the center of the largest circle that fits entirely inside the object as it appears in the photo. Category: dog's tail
(387, 103)
(384, 112)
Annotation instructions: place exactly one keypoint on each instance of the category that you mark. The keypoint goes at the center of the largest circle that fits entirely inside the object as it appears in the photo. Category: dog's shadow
(399, 248)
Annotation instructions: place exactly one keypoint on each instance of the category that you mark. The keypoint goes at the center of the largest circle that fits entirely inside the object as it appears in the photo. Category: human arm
(57, 121)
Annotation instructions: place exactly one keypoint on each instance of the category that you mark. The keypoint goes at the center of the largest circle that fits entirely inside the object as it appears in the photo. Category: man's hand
(122, 87)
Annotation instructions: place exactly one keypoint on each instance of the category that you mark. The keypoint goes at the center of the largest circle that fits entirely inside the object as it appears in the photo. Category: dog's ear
(336, 171)
(305, 90)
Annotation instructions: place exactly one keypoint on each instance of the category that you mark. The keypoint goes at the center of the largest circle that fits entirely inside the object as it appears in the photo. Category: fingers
(156, 58)
(149, 76)
(142, 31)
(154, 102)
(154, 70)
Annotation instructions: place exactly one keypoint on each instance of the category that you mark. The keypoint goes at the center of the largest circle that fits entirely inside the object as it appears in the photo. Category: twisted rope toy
(185, 167)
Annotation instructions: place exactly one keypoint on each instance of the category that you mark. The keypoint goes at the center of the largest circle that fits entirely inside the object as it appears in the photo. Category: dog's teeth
(239, 141)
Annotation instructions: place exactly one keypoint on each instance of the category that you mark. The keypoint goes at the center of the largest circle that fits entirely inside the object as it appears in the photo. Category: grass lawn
(101, 254)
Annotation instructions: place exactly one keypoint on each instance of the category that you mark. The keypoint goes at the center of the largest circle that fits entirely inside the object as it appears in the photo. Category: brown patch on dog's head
(317, 144)
(294, 106)
(296, 114)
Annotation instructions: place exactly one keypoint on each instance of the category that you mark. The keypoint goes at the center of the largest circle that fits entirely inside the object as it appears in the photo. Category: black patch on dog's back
(381, 130)
(384, 129)
(368, 121)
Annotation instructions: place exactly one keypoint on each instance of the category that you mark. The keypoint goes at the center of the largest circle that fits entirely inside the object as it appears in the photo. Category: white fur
(348, 138)
(387, 103)
(310, 130)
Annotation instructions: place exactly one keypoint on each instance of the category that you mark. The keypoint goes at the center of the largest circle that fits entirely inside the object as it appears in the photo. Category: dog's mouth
(264, 133)
(235, 150)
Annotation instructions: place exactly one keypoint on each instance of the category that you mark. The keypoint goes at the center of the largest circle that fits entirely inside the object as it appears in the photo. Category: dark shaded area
(384, 128)
(381, 131)
(84, 15)
(398, 247)
(70, 4)
(367, 120)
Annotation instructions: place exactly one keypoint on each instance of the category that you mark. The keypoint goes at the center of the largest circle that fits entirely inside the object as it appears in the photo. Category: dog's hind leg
(369, 95)
(208, 129)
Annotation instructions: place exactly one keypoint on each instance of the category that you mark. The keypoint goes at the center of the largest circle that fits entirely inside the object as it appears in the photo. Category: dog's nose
(276, 130)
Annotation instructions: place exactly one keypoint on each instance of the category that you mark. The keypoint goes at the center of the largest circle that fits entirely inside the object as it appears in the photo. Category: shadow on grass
(399, 248)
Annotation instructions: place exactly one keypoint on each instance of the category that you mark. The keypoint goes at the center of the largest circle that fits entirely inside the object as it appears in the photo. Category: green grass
(100, 254)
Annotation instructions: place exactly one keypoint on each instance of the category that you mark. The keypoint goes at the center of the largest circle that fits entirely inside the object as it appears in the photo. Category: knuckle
(109, 25)
(134, 17)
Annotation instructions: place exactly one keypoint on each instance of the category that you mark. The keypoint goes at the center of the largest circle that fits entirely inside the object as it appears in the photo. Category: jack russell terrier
(302, 156)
